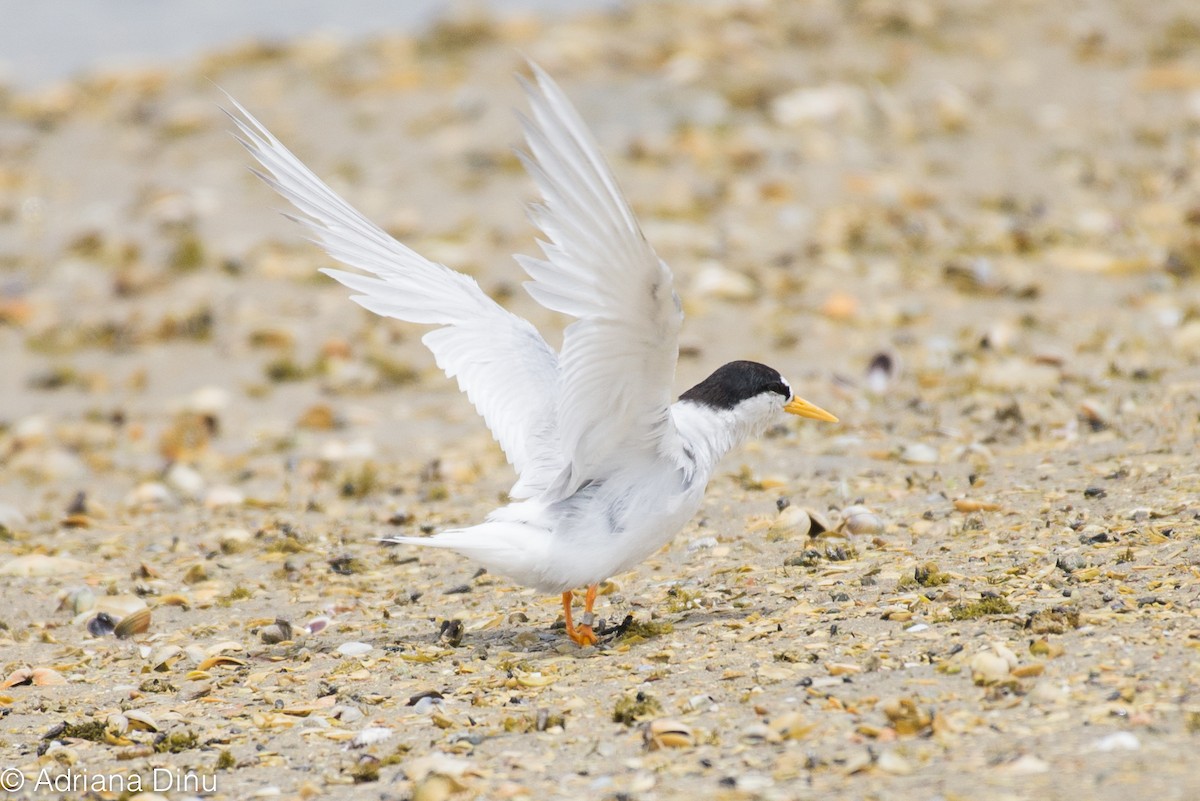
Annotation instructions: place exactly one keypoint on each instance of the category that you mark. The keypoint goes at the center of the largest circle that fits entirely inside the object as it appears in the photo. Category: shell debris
(973, 234)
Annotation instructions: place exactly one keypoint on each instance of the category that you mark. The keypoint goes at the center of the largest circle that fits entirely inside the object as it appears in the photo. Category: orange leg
(583, 635)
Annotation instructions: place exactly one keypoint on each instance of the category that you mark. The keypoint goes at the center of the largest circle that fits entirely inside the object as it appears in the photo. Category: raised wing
(618, 358)
(500, 360)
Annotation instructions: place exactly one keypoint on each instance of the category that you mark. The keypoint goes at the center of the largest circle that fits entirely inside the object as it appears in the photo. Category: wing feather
(617, 363)
(563, 419)
(499, 360)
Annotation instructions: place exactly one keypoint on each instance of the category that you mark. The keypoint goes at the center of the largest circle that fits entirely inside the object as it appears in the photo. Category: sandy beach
(972, 231)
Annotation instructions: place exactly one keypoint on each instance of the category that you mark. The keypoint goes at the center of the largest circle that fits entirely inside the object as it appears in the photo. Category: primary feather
(499, 359)
(617, 363)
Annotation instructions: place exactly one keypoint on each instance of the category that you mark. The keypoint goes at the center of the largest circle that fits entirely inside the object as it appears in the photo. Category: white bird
(609, 469)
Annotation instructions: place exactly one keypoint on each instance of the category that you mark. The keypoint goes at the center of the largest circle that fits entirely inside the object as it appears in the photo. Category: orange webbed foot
(582, 635)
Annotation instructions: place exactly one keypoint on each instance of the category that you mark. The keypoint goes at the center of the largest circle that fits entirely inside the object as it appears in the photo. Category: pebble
(891, 762)
(209, 400)
(795, 228)
(1070, 562)
(39, 565)
(277, 632)
(1027, 765)
(715, 281)
(224, 495)
(881, 373)
(1012, 375)
(817, 105)
(185, 480)
(233, 540)
(354, 648)
(1117, 741)
(150, 493)
(1048, 693)
(346, 713)
(81, 599)
(371, 736)
(919, 453)
(988, 667)
(11, 517)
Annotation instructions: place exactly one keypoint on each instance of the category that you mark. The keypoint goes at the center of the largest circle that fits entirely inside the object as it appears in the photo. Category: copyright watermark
(81, 780)
(11, 780)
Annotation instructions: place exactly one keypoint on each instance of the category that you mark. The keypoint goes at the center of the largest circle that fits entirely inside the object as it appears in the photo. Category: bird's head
(752, 396)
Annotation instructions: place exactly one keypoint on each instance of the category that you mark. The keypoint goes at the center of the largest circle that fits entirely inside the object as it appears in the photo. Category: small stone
(1027, 765)
(354, 648)
(791, 726)
(185, 480)
(881, 373)
(1014, 374)
(150, 493)
(891, 762)
(81, 600)
(279, 631)
(819, 105)
(1069, 563)
(210, 400)
(988, 667)
(224, 496)
(715, 281)
(346, 713)
(919, 453)
(11, 517)
(1117, 741)
(370, 736)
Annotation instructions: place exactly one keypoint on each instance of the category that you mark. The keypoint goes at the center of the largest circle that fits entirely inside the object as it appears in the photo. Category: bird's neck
(704, 435)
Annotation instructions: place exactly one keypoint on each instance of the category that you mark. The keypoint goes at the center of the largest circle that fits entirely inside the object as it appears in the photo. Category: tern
(608, 468)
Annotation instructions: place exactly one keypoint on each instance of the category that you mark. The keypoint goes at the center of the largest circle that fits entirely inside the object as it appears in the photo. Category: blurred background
(46, 42)
(969, 229)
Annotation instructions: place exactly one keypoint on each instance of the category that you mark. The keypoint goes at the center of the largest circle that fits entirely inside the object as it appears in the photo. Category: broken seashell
(39, 677)
(174, 599)
(666, 733)
(354, 648)
(791, 726)
(134, 623)
(792, 521)
(161, 659)
(220, 659)
(859, 520)
(140, 721)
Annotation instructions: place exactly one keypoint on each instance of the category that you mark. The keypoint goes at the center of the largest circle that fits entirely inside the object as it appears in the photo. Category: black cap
(735, 382)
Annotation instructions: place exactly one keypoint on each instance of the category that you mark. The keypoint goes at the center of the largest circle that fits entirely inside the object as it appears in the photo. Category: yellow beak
(803, 408)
